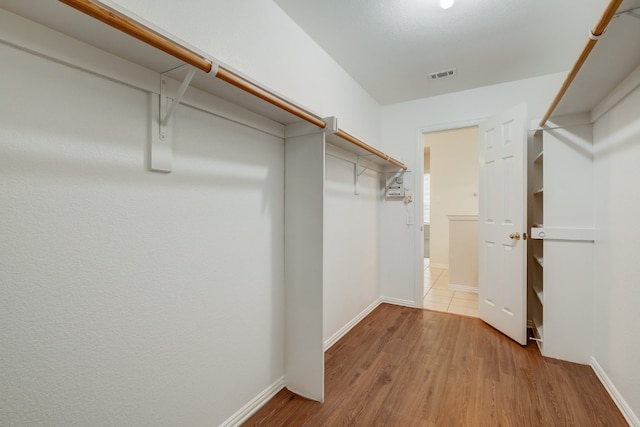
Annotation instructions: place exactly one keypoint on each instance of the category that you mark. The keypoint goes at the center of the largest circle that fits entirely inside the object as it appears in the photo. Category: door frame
(419, 200)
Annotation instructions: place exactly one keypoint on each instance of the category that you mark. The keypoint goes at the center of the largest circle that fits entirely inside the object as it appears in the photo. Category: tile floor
(438, 296)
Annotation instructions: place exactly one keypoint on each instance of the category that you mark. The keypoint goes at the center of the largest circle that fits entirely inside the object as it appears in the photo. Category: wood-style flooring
(410, 367)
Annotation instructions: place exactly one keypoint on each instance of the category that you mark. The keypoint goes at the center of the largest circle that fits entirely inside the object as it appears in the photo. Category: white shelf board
(612, 59)
(66, 20)
(539, 293)
(538, 332)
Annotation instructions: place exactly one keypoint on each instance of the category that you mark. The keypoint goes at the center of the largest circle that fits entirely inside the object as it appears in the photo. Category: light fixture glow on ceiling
(446, 4)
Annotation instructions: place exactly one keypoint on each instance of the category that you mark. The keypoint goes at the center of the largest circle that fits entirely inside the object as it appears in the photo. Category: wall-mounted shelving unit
(109, 28)
(561, 217)
(535, 247)
(561, 226)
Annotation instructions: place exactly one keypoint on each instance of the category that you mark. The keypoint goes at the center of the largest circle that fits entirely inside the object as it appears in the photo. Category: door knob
(514, 236)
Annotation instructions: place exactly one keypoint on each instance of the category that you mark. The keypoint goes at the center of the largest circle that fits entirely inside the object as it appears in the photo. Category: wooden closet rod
(158, 41)
(234, 79)
(344, 135)
(597, 31)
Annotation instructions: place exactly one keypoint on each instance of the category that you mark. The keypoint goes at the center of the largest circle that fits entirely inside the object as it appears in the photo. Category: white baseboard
(622, 404)
(397, 301)
(445, 266)
(256, 403)
(346, 328)
(463, 288)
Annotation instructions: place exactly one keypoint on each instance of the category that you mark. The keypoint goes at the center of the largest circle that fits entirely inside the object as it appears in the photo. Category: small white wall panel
(304, 212)
(568, 277)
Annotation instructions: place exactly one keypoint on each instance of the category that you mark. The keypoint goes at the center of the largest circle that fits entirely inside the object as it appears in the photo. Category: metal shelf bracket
(357, 172)
(162, 109)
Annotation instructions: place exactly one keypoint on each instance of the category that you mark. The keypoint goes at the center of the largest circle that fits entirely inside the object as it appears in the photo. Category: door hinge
(524, 236)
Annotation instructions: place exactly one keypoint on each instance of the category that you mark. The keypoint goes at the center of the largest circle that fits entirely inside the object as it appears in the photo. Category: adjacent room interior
(451, 233)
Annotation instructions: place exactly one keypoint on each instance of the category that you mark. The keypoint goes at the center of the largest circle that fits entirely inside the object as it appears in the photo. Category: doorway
(450, 191)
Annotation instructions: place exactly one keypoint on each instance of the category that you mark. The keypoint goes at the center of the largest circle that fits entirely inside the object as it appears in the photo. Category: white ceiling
(390, 46)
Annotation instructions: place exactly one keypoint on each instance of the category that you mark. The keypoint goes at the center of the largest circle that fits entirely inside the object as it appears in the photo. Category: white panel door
(502, 287)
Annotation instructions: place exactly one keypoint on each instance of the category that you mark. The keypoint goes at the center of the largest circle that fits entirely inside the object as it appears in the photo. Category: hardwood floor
(410, 367)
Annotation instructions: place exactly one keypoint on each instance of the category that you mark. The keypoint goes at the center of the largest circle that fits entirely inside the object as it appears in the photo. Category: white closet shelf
(538, 331)
(587, 87)
(539, 293)
(108, 27)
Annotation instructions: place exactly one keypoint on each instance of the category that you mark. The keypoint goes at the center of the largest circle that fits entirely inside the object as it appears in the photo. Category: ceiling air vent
(443, 74)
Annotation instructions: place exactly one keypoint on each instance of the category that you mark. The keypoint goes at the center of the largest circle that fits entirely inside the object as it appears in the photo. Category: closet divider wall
(304, 264)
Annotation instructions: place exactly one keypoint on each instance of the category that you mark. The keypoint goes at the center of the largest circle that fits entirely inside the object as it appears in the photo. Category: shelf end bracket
(162, 109)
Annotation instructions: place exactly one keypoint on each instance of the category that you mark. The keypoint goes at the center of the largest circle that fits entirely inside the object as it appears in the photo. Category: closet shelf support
(183, 88)
(112, 18)
(163, 108)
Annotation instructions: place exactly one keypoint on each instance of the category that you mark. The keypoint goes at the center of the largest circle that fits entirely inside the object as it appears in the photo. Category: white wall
(617, 203)
(454, 183)
(402, 128)
(130, 297)
(351, 243)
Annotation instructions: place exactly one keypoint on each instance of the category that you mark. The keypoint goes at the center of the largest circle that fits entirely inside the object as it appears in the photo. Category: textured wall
(129, 297)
